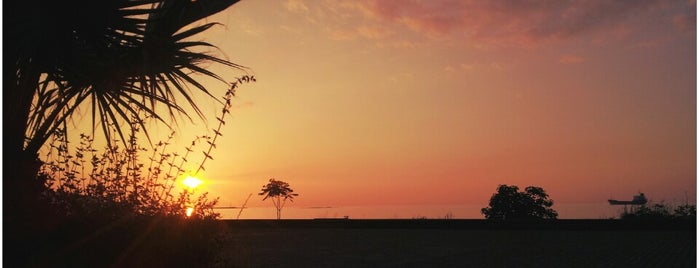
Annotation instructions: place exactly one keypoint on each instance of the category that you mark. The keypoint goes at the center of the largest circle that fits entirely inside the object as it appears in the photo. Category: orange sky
(439, 102)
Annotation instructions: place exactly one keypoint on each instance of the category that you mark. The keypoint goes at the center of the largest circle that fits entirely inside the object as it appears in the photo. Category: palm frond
(131, 58)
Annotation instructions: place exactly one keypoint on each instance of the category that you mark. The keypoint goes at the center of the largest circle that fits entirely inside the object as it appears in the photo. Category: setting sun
(192, 182)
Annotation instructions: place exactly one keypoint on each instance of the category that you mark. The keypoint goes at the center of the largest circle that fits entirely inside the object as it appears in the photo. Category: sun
(192, 182)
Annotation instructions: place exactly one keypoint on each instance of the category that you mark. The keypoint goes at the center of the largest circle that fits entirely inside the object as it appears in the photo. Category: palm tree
(123, 60)
(279, 191)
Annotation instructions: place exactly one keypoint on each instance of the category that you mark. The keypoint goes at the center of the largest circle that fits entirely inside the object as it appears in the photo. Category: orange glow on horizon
(388, 108)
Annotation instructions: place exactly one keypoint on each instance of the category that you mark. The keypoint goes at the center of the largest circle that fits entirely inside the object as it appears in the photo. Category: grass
(297, 244)
(176, 242)
(132, 242)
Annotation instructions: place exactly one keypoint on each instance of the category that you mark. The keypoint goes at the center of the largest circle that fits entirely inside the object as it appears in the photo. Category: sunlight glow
(189, 211)
(192, 182)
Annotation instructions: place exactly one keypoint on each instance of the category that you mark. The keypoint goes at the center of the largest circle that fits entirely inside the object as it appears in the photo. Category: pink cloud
(503, 22)
(428, 16)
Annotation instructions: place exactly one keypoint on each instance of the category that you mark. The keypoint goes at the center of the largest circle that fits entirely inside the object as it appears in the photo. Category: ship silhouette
(637, 200)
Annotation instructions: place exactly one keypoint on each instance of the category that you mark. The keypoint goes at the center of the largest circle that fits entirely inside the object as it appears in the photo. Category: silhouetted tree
(279, 192)
(509, 204)
(121, 59)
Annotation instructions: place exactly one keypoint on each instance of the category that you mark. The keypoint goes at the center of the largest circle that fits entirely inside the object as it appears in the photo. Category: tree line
(508, 203)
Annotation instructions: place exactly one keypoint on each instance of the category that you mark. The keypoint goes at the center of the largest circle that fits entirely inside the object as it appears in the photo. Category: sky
(375, 103)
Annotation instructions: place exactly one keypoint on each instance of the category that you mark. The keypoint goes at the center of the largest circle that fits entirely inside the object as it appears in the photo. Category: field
(442, 243)
(173, 242)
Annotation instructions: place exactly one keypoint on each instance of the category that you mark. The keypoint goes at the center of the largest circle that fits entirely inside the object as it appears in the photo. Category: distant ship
(637, 200)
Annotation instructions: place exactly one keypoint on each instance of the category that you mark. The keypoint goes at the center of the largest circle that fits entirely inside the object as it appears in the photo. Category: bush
(686, 211)
(112, 209)
(116, 183)
(660, 211)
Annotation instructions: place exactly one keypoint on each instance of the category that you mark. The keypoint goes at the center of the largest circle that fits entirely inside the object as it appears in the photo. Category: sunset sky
(371, 103)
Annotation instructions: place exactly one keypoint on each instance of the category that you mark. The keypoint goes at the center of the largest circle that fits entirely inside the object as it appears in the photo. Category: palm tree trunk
(279, 209)
(21, 188)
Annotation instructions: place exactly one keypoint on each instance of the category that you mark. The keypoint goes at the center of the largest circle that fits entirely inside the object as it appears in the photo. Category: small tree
(279, 191)
(508, 203)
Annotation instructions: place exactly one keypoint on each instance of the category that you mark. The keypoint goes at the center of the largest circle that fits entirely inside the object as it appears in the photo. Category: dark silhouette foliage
(279, 192)
(115, 209)
(121, 61)
(117, 182)
(685, 211)
(124, 63)
(511, 204)
(660, 211)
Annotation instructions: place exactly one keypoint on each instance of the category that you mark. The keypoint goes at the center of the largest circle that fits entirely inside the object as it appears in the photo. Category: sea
(565, 211)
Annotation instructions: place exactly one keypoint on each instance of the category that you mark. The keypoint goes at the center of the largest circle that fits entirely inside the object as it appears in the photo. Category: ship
(637, 200)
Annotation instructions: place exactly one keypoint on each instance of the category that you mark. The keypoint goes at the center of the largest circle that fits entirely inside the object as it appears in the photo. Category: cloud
(401, 77)
(508, 20)
(296, 6)
(428, 16)
(401, 44)
(501, 22)
(246, 104)
(685, 22)
(460, 69)
(571, 59)
(373, 32)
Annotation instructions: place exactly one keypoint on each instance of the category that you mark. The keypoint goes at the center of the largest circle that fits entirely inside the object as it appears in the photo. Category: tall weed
(117, 181)
(119, 206)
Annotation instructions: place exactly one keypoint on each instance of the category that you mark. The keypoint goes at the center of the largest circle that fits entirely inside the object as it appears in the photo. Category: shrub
(111, 208)
(117, 183)
(659, 211)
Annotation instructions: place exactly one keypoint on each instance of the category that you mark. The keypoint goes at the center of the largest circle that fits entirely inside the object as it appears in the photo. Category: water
(565, 211)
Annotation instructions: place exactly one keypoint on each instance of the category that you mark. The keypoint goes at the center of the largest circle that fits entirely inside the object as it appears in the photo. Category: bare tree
(279, 192)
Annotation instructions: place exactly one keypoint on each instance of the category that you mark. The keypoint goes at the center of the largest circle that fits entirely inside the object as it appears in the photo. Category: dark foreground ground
(459, 243)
